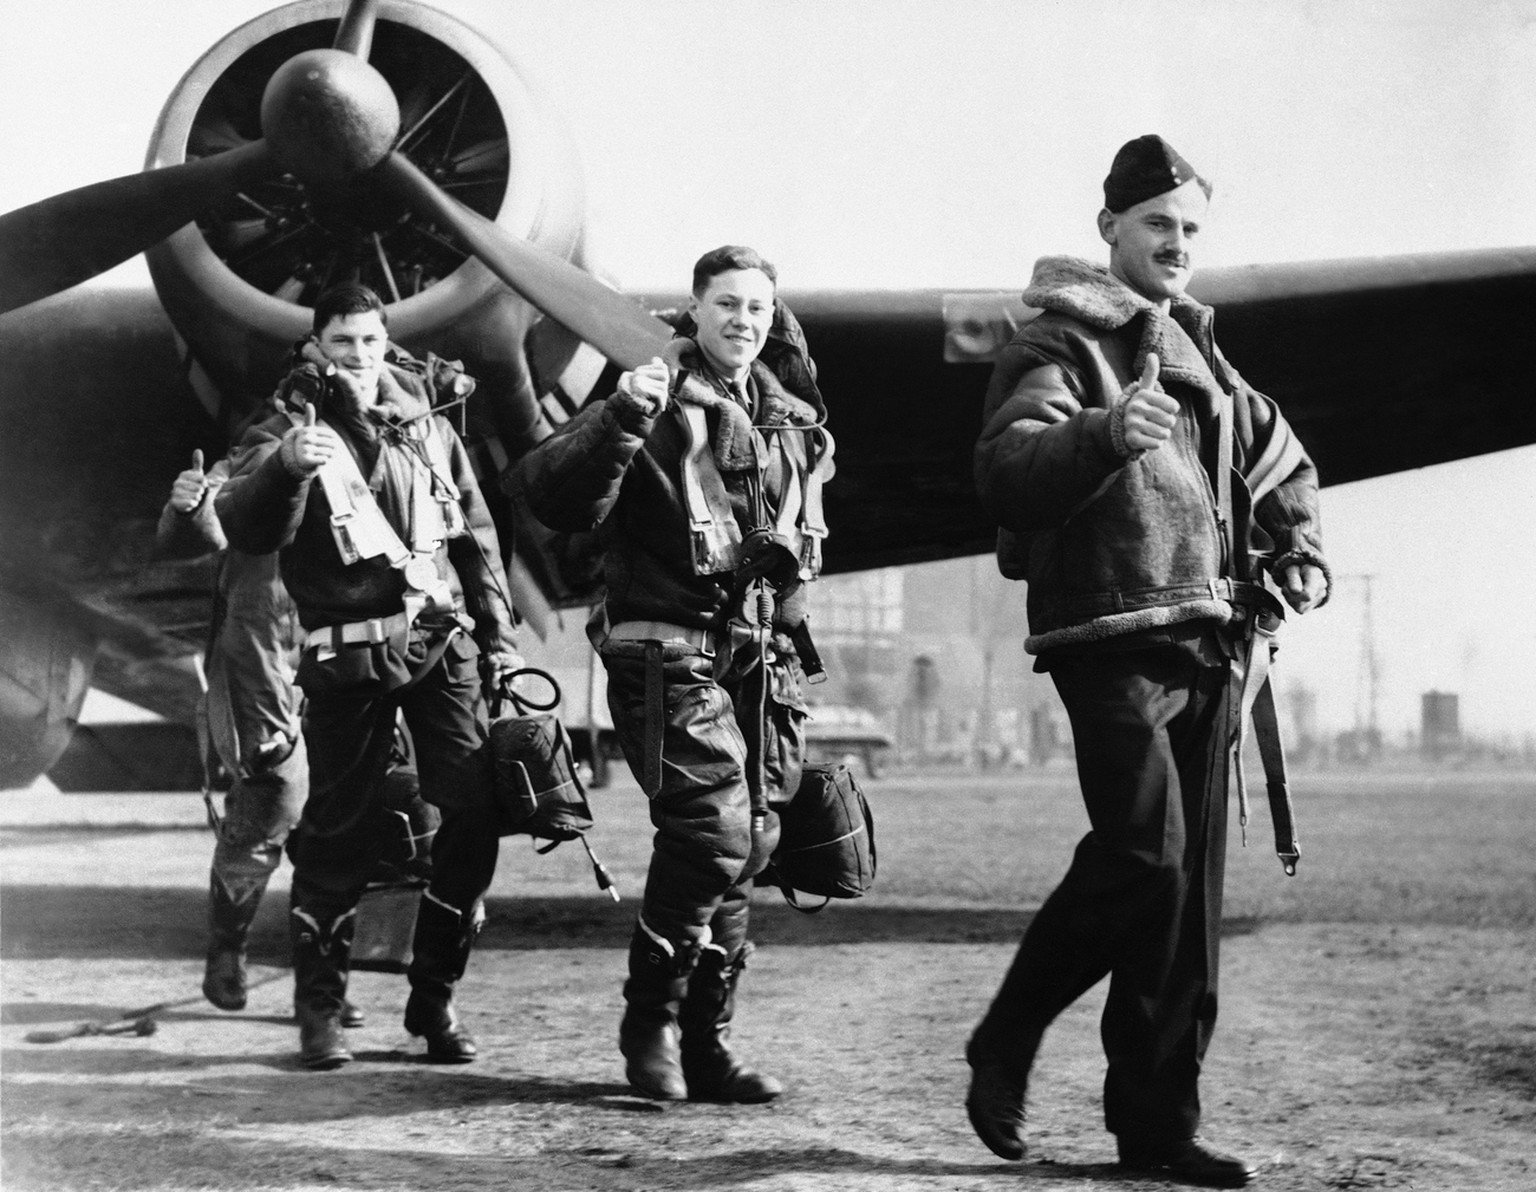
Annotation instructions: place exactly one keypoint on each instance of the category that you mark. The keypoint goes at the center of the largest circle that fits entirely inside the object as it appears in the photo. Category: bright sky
(900, 143)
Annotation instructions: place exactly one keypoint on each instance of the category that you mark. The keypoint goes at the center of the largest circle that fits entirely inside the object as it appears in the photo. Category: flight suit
(709, 716)
(252, 714)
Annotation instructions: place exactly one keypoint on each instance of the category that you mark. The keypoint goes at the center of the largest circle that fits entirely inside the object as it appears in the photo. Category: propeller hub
(328, 115)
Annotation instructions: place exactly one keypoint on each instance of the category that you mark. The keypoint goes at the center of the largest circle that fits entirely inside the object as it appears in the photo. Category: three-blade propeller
(328, 117)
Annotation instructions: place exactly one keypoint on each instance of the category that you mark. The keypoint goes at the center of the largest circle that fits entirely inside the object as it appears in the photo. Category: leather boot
(648, 1032)
(439, 952)
(230, 914)
(322, 953)
(999, 1086)
(711, 1071)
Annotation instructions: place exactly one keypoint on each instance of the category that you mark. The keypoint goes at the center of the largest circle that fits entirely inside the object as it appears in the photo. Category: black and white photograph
(767, 596)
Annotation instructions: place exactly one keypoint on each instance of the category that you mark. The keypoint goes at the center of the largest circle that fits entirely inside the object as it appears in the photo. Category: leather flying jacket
(265, 506)
(616, 470)
(1113, 541)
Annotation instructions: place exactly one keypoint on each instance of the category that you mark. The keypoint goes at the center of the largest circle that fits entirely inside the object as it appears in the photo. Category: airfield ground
(1378, 1021)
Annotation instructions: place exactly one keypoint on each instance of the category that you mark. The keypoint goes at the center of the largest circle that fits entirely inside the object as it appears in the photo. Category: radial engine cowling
(239, 284)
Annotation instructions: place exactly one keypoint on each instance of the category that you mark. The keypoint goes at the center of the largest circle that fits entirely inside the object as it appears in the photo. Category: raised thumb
(1148, 377)
(309, 413)
(197, 459)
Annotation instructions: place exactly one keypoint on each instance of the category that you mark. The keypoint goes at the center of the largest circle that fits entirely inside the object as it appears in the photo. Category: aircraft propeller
(330, 119)
(618, 328)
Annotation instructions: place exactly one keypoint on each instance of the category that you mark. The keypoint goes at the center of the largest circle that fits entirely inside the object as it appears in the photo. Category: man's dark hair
(725, 258)
(340, 301)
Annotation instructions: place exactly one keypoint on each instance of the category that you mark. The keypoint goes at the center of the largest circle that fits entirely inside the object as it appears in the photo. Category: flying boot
(230, 914)
(322, 954)
(712, 1072)
(648, 1032)
(439, 952)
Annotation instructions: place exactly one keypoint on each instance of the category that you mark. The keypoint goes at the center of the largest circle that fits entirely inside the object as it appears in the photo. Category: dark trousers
(1141, 902)
(336, 846)
(702, 744)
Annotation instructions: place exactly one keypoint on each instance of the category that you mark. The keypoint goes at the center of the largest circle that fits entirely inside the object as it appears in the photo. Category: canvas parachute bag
(826, 840)
(538, 792)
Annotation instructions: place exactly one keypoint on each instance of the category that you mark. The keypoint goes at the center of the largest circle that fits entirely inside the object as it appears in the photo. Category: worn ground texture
(1378, 1023)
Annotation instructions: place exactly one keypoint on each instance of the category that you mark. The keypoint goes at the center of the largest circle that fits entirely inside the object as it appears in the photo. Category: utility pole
(1367, 732)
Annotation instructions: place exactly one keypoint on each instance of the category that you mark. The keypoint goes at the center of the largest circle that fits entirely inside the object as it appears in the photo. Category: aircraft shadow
(286, 1093)
(54, 922)
(402, 1167)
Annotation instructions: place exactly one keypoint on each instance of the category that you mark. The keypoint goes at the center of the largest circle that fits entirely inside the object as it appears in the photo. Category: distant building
(1440, 724)
(936, 651)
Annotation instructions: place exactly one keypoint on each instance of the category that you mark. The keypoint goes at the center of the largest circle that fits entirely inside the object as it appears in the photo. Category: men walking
(1142, 490)
(703, 475)
(390, 554)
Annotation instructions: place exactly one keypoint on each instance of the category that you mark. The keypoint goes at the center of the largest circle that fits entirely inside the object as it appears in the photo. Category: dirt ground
(1395, 1051)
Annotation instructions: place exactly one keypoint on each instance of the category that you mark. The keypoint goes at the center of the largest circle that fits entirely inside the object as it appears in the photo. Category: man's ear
(1108, 226)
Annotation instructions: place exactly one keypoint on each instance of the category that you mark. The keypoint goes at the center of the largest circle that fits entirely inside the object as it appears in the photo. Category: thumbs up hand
(1150, 413)
(306, 448)
(190, 487)
(646, 386)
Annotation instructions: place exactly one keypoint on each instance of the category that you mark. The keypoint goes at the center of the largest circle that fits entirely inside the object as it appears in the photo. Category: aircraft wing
(1381, 365)
(1387, 364)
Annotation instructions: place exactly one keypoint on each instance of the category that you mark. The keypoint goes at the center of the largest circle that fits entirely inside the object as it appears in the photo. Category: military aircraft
(390, 142)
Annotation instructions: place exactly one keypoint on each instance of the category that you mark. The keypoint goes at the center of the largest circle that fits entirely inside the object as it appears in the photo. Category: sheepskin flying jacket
(1114, 541)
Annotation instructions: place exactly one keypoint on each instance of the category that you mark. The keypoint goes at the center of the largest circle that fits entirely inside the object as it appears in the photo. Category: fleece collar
(1091, 294)
(734, 442)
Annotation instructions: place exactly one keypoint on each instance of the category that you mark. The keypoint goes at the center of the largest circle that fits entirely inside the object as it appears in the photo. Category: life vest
(791, 464)
(361, 531)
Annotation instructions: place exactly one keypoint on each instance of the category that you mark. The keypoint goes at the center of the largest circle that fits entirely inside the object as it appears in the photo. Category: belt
(373, 631)
(702, 640)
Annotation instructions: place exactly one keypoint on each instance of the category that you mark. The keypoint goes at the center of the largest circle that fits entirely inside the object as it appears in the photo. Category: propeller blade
(617, 327)
(355, 34)
(64, 240)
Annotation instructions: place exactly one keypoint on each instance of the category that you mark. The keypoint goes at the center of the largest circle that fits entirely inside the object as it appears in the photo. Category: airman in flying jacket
(389, 551)
(702, 474)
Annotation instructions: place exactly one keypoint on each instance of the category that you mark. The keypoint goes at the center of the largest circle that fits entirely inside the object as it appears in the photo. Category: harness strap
(789, 453)
(358, 524)
(806, 452)
(1266, 731)
(810, 656)
(437, 513)
(1236, 562)
(819, 448)
(205, 746)
(361, 530)
(1250, 699)
(712, 525)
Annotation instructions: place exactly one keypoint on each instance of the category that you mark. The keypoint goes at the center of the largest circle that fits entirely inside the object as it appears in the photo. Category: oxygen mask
(766, 554)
